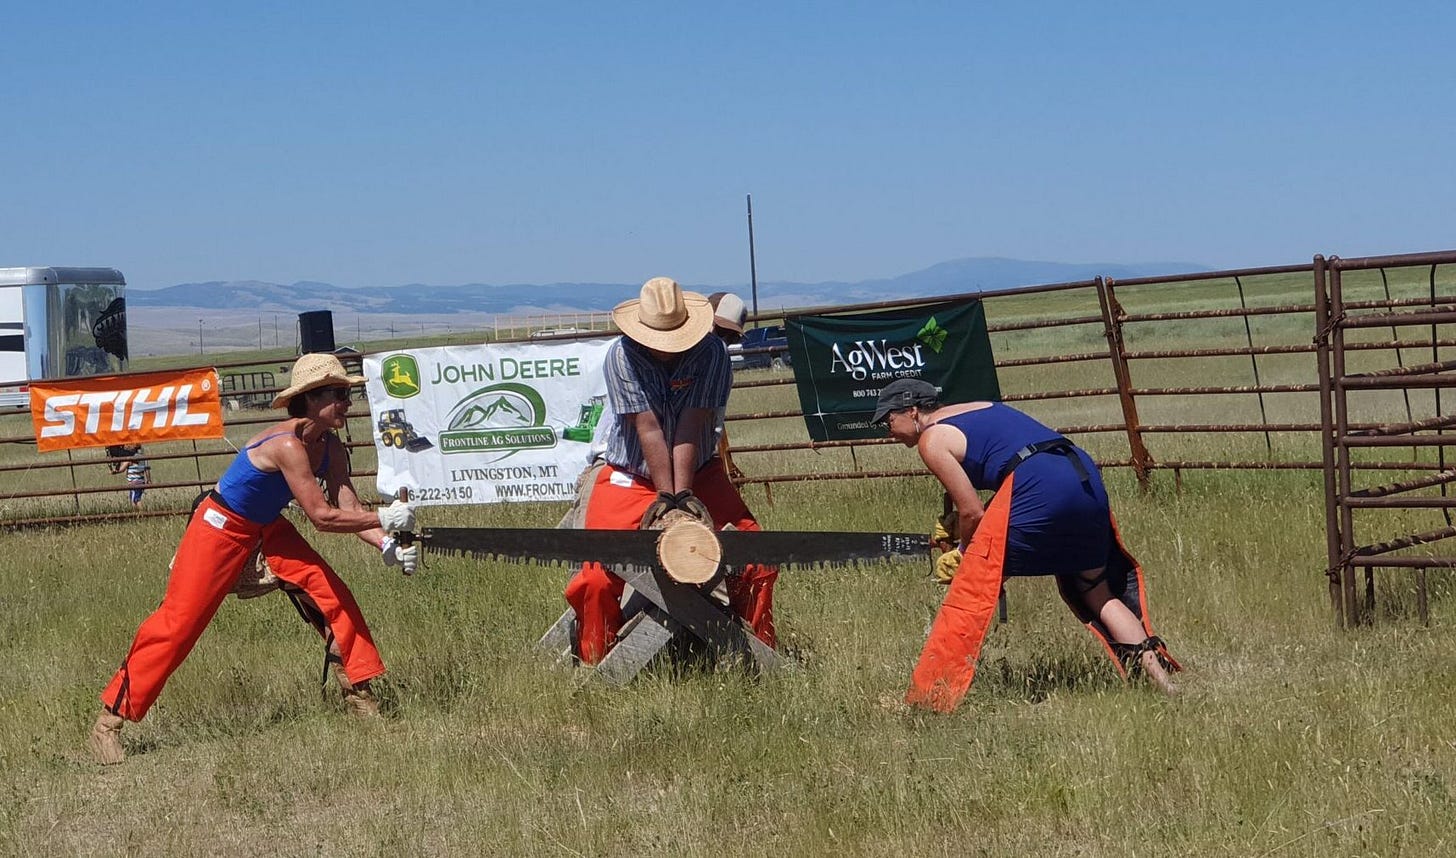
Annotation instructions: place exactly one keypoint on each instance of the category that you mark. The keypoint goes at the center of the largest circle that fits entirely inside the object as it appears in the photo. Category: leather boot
(105, 739)
(359, 698)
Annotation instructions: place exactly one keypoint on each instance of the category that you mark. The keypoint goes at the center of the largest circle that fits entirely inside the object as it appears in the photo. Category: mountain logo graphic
(933, 335)
(497, 422)
(401, 376)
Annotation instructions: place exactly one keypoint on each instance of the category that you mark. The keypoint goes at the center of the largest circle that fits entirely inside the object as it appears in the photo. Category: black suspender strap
(1060, 446)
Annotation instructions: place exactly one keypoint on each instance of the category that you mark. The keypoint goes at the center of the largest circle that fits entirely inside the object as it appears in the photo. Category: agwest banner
(486, 423)
(126, 409)
(841, 362)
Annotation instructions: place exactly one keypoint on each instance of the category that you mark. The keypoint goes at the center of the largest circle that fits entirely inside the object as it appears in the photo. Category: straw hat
(665, 317)
(728, 311)
(313, 371)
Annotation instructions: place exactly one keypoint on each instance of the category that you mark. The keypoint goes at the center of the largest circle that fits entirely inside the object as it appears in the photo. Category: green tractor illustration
(591, 412)
(395, 431)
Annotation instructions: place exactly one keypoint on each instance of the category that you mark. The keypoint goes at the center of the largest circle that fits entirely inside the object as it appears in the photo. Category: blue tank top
(259, 496)
(993, 436)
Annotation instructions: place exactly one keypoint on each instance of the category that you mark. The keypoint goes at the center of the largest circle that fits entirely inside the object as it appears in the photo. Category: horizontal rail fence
(1400, 522)
(1208, 371)
(1205, 371)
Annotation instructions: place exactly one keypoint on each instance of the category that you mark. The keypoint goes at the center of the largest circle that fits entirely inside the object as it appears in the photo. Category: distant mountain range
(956, 276)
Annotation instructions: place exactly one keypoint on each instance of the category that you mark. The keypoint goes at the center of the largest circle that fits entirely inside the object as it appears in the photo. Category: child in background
(138, 475)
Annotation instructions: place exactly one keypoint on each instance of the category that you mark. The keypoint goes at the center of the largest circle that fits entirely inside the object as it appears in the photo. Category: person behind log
(1049, 516)
(667, 378)
(240, 517)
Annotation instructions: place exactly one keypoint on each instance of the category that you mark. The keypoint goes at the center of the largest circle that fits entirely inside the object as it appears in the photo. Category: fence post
(1116, 350)
(1333, 542)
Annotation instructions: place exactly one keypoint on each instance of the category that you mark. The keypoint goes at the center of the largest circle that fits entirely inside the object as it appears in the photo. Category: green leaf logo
(401, 376)
(933, 335)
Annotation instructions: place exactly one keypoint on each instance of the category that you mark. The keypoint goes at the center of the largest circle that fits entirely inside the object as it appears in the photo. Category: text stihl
(127, 409)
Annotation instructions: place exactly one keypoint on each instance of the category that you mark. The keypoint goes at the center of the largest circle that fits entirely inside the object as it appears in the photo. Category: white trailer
(57, 323)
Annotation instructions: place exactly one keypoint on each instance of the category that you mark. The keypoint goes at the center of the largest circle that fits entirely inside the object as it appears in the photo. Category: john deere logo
(498, 421)
(933, 335)
(401, 376)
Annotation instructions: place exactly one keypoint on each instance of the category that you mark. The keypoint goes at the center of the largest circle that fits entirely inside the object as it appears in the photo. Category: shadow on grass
(1036, 678)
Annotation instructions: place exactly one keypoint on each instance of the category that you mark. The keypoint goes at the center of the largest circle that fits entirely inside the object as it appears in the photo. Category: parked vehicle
(59, 323)
(767, 346)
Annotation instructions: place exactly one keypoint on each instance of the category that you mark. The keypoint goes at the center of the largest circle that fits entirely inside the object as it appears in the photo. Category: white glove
(396, 517)
(405, 556)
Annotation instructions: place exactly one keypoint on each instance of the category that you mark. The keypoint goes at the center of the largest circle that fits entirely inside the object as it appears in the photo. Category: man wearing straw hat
(667, 380)
(241, 517)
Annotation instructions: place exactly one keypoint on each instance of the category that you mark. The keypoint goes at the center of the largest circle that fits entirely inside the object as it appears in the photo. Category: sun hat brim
(679, 339)
(330, 373)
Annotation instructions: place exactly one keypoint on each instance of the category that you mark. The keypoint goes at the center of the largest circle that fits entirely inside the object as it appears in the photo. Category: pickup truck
(761, 347)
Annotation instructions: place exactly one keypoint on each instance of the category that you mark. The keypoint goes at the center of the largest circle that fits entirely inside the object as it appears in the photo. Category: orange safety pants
(947, 663)
(618, 501)
(214, 548)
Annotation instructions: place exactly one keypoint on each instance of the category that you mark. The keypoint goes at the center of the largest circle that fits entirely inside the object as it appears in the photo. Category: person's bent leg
(293, 560)
(750, 592)
(213, 550)
(1131, 645)
(596, 596)
(947, 664)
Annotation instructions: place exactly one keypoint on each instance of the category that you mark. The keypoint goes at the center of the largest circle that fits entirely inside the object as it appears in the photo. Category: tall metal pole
(752, 263)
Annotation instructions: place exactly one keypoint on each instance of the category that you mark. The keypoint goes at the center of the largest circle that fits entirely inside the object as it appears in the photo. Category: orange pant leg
(750, 592)
(214, 548)
(947, 664)
(618, 501)
(292, 559)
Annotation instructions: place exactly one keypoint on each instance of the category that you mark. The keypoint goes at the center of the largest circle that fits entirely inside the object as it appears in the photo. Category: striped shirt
(700, 377)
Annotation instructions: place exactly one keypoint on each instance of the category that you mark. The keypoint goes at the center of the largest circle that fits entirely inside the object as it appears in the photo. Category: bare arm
(291, 458)
(341, 492)
(941, 448)
(654, 449)
(685, 446)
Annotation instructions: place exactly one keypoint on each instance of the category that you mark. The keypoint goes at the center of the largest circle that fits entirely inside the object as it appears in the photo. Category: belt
(1060, 446)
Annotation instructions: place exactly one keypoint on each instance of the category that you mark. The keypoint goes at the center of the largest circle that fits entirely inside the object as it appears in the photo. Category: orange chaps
(947, 664)
(216, 545)
(618, 500)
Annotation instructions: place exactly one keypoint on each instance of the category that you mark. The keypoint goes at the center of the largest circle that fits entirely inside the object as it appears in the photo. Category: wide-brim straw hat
(664, 317)
(313, 371)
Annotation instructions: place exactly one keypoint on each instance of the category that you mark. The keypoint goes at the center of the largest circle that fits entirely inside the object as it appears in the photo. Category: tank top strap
(265, 439)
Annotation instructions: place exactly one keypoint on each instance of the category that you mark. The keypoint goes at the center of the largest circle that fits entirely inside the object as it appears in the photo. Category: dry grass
(1293, 737)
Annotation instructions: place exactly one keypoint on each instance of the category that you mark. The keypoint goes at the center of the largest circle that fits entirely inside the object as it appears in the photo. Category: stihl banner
(486, 423)
(126, 409)
(841, 362)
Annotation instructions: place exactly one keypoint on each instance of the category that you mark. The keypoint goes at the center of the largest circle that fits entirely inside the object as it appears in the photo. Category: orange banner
(125, 409)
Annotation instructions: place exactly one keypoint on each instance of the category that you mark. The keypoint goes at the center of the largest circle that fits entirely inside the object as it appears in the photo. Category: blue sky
(372, 144)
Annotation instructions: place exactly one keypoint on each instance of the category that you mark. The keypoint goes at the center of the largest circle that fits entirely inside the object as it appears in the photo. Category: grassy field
(1292, 737)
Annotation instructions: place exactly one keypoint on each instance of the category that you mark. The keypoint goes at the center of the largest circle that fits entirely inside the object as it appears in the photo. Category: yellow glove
(938, 533)
(946, 565)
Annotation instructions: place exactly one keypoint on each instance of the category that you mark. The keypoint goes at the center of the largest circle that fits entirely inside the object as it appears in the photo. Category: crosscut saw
(640, 547)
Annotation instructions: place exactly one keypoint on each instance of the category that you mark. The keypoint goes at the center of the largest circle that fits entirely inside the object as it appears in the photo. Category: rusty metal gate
(1411, 392)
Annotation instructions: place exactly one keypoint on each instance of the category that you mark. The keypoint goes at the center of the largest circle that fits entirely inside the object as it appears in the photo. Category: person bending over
(1049, 516)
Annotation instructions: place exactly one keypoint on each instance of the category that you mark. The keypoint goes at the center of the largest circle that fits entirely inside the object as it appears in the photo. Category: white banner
(486, 423)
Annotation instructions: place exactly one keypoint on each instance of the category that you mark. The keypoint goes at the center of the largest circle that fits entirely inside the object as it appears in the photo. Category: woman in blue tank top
(1049, 516)
(300, 459)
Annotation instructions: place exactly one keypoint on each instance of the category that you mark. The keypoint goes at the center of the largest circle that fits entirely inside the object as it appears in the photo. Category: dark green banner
(841, 362)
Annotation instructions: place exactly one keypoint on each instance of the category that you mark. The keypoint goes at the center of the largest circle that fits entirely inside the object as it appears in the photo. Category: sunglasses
(339, 394)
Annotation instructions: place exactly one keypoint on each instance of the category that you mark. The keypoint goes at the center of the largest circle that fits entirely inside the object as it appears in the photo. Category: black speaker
(316, 331)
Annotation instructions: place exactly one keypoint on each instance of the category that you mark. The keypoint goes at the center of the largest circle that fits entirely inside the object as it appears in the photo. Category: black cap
(904, 393)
